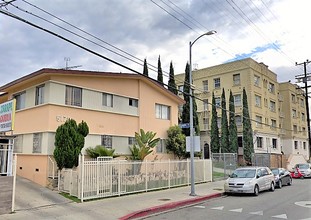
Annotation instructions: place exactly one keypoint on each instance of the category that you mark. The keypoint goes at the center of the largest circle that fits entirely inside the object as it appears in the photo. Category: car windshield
(243, 173)
(275, 171)
(303, 166)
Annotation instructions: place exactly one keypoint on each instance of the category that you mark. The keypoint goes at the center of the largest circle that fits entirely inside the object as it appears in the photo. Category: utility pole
(307, 101)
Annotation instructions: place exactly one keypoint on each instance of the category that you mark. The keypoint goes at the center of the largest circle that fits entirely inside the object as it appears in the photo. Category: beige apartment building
(275, 128)
(114, 105)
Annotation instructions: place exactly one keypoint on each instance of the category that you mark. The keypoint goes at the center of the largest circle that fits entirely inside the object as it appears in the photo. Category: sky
(275, 32)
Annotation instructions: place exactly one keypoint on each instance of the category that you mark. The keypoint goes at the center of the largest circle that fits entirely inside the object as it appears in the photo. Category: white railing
(102, 178)
(52, 168)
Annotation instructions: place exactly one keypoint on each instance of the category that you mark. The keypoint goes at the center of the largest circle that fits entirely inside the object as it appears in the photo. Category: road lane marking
(283, 216)
(199, 206)
(305, 204)
(256, 213)
(236, 210)
(218, 208)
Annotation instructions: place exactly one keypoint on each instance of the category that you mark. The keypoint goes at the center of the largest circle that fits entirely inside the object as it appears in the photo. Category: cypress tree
(160, 74)
(145, 72)
(69, 141)
(214, 129)
(185, 117)
(248, 146)
(171, 82)
(233, 131)
(224, 125)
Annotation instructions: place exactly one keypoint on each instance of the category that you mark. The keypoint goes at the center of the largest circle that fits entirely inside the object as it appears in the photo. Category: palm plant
(146, 141)
(100, 151)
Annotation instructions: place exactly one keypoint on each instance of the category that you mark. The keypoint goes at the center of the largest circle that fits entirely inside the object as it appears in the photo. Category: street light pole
(192, 193)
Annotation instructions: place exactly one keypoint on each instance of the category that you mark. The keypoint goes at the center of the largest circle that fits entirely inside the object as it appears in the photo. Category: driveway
(29, 195)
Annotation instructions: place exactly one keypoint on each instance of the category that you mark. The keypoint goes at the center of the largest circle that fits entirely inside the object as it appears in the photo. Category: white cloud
(144, 30)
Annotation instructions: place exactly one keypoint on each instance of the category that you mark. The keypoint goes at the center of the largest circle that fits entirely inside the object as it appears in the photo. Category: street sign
(185, 125)
(196, 143)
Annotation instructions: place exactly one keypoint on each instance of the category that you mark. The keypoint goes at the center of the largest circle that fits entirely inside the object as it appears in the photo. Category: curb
(165, 207)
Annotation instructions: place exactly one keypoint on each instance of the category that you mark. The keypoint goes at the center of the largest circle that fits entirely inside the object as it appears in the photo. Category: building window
(302, 102)
(18, 144)
(205, 104)
(133, 102)
(273, 124)
(296, 145)
(238, 120)
(218, 102)
(293, 98)
(256, 80)
(161, 146)
(272, 106)
(274, 143)
(295, 128)
(303, 117)
(180, 90)
(37, 139)
(294, 113)
(257, 100)
(162, 111)
(107, 141)
(219, 122)
(271, 88)
(237, 100)
(236, 79)
(304, 145)
(259, 142)
(205, 85)
(258, 121)
(39, 95)
(217, 83)
(107, 100)
(20, 100)
(131, 141)
(73, 96)
(205, 123)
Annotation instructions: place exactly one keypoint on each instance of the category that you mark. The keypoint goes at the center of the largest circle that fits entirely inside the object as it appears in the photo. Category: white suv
(250, 180)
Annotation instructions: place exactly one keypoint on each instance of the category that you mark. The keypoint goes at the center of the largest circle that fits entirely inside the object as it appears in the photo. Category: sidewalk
(124, 207)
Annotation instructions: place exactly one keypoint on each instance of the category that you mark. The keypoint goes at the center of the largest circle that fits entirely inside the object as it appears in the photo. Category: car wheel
(280, 184)
(256, 190)
(290, 181)
(272, 187)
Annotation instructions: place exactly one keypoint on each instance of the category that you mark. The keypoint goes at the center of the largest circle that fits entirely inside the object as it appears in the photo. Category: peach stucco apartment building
(114, 105)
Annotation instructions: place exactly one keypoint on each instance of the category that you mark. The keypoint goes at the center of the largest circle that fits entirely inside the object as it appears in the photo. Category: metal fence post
(169, 173)
(82, 177)
(146, 175)
(119, 178)
(14, 182)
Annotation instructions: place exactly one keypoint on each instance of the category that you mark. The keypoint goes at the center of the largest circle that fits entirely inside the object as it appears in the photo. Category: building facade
(269, 105)
(114, 105)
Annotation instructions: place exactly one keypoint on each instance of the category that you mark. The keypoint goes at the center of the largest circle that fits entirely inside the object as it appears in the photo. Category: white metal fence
(106, 178)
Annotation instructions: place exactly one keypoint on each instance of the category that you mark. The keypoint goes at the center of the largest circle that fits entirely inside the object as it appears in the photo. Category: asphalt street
(290, 202)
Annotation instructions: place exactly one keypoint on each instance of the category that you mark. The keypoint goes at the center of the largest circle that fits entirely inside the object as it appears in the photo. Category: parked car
(304, 169)
(282, 177)
(250, 180)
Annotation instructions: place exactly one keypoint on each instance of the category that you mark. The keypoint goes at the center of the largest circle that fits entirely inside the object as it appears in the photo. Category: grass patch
(217, 175)
(72, 198)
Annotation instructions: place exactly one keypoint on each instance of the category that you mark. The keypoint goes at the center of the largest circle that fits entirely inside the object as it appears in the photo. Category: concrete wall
(33, 167)
(6, 191)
